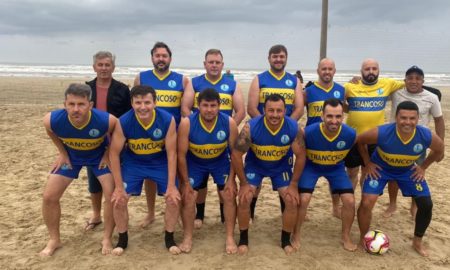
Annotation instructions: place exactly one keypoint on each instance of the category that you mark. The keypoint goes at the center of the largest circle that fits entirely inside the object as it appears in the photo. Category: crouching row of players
(145, 144)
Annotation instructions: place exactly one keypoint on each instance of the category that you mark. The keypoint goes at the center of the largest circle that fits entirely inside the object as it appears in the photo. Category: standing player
(171, 88)
(149, 134)
(231, 103)
(80, 134)
(203, 149)
(269, 141)
(327, 143)
(399, 146)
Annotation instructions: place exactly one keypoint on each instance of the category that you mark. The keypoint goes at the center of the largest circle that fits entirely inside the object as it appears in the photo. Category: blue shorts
(409, 187)
(198, 174)
(279, 179)
(134, 176)
(337, 178)
(75, 171)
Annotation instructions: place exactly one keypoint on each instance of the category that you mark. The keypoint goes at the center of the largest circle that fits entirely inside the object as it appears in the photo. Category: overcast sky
(398, 33)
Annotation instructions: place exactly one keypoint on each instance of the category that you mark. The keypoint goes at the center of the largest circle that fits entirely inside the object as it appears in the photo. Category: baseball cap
(415, 69)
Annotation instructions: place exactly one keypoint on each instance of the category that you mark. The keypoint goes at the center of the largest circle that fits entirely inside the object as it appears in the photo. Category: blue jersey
(169, 90)
(284, 85)
(87, 144)
(315, 97)
(208, 147)
(145, 144)
(395, 155)
(326, 153)
(270, 152)
(224, 86)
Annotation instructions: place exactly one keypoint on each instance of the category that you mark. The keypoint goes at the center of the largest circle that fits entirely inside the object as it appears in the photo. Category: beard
(274, 68)
(162, 68)
(370, 78)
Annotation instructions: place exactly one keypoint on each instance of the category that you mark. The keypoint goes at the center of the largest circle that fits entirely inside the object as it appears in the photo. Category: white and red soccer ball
(376, 242)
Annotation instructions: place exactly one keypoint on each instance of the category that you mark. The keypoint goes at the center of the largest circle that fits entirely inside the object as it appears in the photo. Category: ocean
(241, 75)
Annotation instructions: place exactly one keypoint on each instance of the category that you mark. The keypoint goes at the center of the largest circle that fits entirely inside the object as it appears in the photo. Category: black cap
(415, 69)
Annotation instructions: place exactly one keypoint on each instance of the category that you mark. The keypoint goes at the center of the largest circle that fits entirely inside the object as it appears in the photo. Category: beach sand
(26, 154)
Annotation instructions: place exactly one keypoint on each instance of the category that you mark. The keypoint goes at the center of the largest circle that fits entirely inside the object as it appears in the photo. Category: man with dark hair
(270, 140)
(80, 134)
(113, 97)
(327, 143)
(149, 134)
(398, 146)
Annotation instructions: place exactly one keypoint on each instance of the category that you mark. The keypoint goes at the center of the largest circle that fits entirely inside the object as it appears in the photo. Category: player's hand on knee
(172, 195)
(62, 161)
(291, 195)
(418, 174)
(187, 193)
(119, 197)
(372, 170)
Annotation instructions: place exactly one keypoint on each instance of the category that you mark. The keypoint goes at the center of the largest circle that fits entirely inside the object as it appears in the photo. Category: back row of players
(159, 144)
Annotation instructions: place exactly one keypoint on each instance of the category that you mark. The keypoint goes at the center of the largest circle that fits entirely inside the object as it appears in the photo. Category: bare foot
(337, 212)
(242, 250)
(147, 221)
(106, 246)
(289, 249)
(295, 243)
(419, 248)
(117, 251)
(390, 211)
(186, 245)
(349, 245)
(230, 246)
(52, 245)
(174, 250)
(198, 223)
(362, 245)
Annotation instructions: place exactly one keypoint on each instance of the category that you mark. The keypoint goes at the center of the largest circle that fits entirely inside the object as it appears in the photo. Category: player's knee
(50, 198)
(424, 203)
(348, 201)
(172, 203)
(289, 203)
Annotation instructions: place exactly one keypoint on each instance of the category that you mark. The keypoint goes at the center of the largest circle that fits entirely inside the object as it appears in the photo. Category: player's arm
(436, 154)
(137, 80)
(117, 141)
(105, 159)
(232, 138)
(299, 105)
(345, 102)
(241, 147)
(397, 85)
(238, 105)
(183, 146)
(63, 157)
(253, 98)
(172, 193)
(298, 147)
(439, 126)
(187, 101)
(363, 140)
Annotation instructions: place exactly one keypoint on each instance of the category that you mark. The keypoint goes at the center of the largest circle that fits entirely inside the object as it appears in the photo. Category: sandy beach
(26, 154)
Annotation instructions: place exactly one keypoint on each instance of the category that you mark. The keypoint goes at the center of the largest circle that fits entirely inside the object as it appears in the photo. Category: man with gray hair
(111, 96)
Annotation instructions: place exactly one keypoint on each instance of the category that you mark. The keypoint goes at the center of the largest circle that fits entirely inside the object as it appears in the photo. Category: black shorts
(354, 159)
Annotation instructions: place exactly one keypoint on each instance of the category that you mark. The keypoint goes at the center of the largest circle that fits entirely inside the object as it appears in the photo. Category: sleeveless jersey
(284, 85)
(395, 155)
(224, 86)
(85, 145)
(145, 144)
(169, 90)
(208, 147)
(270, 152)
(315, 97)
(367, 103)
(327, 153)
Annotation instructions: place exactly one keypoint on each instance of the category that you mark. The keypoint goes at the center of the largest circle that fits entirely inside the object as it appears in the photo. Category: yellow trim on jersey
(325, 135)
(276, 131)
(161, 78)
(84, 125)
(207, 151)
(204, 126)
(83, 144)
(275, 76)
(145, 146)
(287, 93)
(396, 160)
(315, 108)
(226, 101)
(167, 98)
(151, 121)
(269, 152)
(326, 157)
(213, 82)
(324, 89)
(400, 137)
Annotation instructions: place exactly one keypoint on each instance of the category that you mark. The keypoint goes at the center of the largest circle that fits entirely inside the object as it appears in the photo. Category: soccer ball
(376, 242)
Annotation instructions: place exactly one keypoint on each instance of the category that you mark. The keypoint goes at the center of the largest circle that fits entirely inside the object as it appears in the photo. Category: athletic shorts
(93, 183)
(134, 176)
(337, 178)
(408, 187)
(279, 179)
(198, 174)
(354, 159)
(75, 171)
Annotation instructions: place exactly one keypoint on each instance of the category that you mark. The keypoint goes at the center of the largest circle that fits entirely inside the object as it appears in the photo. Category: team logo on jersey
(336, 94)
(380, 91)
(250, 175)
(340, 144)
(157, 133)
(289, 83)
(285, 139)
(221, 135)
(418, 148)
(172, 84)
(94, 132)
(191, 181)
(124, 185)
(373, 183)
(65, 167)
(224, 87)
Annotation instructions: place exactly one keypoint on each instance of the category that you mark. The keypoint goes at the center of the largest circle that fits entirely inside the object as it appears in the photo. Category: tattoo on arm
(243, 141)
(299, 139)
